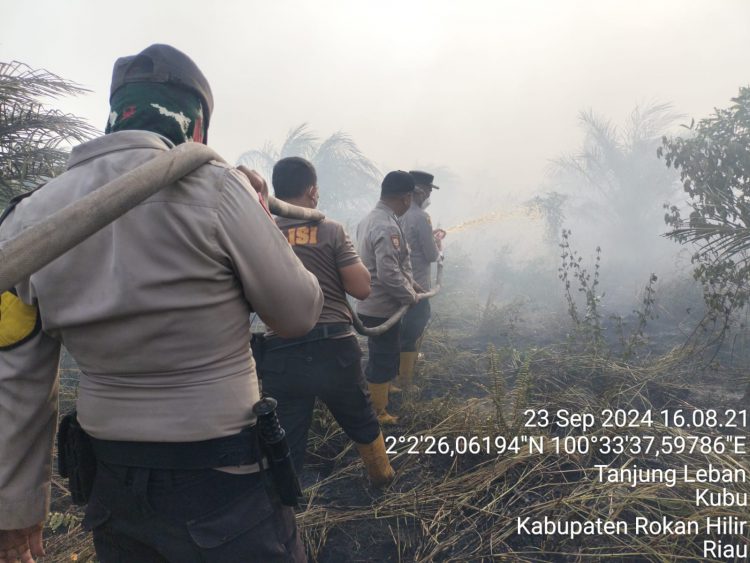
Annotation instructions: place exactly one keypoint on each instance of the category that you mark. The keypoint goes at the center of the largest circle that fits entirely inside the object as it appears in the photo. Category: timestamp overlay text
(691, 462)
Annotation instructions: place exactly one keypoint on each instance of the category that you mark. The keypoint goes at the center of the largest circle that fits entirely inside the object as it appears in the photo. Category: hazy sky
(490, 89)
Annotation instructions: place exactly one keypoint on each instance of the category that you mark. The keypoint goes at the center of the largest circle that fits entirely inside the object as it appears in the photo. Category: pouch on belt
(76, 461)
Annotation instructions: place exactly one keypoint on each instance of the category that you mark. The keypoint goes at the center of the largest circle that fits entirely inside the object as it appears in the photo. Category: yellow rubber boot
(376, 461)
(379, 396)
(406, 369)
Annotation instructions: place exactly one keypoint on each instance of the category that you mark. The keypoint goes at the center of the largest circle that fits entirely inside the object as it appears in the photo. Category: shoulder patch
(19, 322)
(396, 240)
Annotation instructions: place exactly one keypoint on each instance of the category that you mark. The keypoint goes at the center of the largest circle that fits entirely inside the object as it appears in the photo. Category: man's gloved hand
(21, 545)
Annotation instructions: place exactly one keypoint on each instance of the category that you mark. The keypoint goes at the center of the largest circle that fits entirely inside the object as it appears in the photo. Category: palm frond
(347, 178)
(300, 141)
(33, 137)
(339, 154)
(725, 240)
(19, 83)
(723, 227)
(602, 140)
(261, 160)
(648, 123)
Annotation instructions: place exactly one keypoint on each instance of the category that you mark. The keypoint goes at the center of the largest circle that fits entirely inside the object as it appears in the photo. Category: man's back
(325, 364)
(155, 306)
(423, 250)
(324, 248)
(385, 253)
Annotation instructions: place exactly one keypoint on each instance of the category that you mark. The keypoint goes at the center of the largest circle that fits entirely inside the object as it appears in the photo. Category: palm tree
(348, 179)
(623, 180)
(616, 188)
(34, 137)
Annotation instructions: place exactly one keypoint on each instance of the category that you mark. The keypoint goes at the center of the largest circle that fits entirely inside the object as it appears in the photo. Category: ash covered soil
(481, 369)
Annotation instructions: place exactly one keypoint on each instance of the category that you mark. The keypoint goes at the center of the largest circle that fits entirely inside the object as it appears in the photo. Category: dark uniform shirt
(324, 248)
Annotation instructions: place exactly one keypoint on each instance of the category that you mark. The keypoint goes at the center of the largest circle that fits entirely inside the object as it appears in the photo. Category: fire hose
(35, 247)
(398, 315)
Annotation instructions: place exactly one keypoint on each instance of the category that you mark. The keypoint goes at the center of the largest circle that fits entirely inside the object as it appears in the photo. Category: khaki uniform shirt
(155, 310)
(324, 248)
(417, 227)
(385, 253)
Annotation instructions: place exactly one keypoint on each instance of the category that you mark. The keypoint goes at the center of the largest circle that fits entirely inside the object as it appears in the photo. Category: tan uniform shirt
(154, 308)
(423, 250)
(385, 253)
(323, 247)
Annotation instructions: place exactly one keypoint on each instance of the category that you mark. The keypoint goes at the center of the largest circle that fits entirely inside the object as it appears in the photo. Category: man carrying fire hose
(325, 363)
(155, 310)
(424, 249)
(385, 253)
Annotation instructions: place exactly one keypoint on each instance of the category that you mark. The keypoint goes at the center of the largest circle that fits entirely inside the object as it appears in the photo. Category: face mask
(426, 203)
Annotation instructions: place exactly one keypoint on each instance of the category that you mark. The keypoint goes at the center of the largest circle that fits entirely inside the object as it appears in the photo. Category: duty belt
(238, 449)
(320, 332)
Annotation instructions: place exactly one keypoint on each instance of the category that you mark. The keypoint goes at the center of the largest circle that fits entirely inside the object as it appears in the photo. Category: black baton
(273, 437)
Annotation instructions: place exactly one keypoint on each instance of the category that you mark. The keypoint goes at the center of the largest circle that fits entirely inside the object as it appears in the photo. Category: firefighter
(155, 310)
(325, 363)
(424, 247)
(385, 253)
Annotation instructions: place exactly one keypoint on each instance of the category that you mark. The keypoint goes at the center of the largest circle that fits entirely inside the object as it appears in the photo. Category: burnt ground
(341, 522)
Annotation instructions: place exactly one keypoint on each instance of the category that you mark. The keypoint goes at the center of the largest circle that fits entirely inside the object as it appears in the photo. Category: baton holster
(76, 461)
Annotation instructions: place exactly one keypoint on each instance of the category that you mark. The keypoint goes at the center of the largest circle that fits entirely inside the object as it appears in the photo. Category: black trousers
(142, 515)
(383, 351)
(413, 324)
(328, 369)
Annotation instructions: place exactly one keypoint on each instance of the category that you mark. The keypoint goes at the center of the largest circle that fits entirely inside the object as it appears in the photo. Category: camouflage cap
(165, 64)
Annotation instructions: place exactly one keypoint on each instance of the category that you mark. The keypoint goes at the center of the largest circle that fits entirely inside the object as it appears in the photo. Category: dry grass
(464, 508)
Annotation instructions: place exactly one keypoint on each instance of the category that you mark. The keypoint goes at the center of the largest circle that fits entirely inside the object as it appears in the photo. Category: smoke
(608, 192)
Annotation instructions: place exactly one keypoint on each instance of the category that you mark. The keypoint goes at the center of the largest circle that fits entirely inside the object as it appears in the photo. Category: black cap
(163, 63)
(423, 178)
(397, 182)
